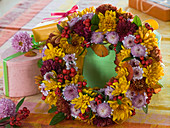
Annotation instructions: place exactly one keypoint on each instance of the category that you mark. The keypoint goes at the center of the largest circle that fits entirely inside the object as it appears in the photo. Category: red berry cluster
(111, 83)
(86, 114)
(133, 112)
(148, 26)
(121, 19)
(87, 24)
(66, 31)
(98, 99)
(138, 39)
(149, 93)
(85, 44)
(145, 62)
(117, 97)
(22, 114)
(81, 85)
(58, 60)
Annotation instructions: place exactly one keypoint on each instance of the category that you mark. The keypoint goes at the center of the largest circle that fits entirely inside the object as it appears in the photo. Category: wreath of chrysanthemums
(138, 60)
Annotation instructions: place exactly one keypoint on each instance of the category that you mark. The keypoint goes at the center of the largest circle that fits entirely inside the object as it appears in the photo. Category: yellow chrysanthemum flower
(82, 102)
(153, 73)
(74, 47)
(75, 79)
(107, 22)
(121, 86)
(52, 85)
(51, 98)
(89, 91)
(52, 52)
(148, 37)
(122, 71)
(121, 111)
(88, 121)
(120, 11)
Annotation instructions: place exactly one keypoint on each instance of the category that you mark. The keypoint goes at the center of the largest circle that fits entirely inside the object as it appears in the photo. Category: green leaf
(118, 47)
(82, 51)
(91, 114)
(160, 84)
(128, 58)
(145, 109)
(60, 28)
(69, 40)
(73, 118)
(8, 126)
(98, 92)
(19, 104)
(119, 101)
(40, 63)
(57, 118)
(33, 40)
(107, 98)
(53, 109)
(137, 21)
(94, 27)
(4, 119)
(95, 20)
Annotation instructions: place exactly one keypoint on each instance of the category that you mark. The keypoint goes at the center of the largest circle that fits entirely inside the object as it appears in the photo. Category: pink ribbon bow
(62, 14)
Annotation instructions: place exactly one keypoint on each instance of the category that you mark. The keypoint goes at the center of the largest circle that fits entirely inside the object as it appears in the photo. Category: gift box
(19, 73)
(152, 7)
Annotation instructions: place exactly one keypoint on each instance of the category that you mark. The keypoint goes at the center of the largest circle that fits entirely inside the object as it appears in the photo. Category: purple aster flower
(97, 37)
(43, 91)
(130, 94)
(73, 21)
(101, 90)
(22, 42)
(137, 73)
(7, 108)
(88, 16)
(108, 92)
(138, 101)
(112, 37)
(93, 106)
(128, 41)
(48, 76)
(134, 62)
(43, 50)
(138, 50)
(104, 110)
(69, 58)
(70, 92)
(74, 112)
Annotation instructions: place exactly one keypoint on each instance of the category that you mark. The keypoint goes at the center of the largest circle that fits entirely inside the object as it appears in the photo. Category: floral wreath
(138, 61)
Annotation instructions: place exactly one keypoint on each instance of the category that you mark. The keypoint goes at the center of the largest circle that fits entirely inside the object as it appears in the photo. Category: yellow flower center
(20, 43)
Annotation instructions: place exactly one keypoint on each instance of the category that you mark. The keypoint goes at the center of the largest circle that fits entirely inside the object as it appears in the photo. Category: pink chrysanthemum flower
(87, 16)
(134, 62)
(93, 106)
(73, 21)
(97, 37)
(137, 73)
(112, 37)
(138, 50)
(128, 41)
(70, 92)
(104, 110)
(43, 91)
(22, 42)
(139, 101)
(69, 58)
(108, 92)
(48, 76)
(7, 108)
(74, 112)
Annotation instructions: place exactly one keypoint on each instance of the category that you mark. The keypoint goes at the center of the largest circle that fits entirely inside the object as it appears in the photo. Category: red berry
(150, 61)
(143, 62)
(20, 112)
(82, 45)
(19, 124)
(72, 75)
(149, 98)
(87, 20)
(87, 28)
(84, 83)
(68, 117)
(11, 123)
(87, 45)
(115, 49)
(96, 99)
(149, 94)
(152, 90)
(141, 58)
(62, 35)
(56, 58)
(148, 90)
(64, 71)
(136, 41)
(24, 109)
(147, 62)
(60, 80)
(57, 91)
(88, 109)
(66, 77)
(18, 118)
(73, 70)
(68, 71)
(82, 117)
(100, 96)
(86, 116)
(119, 97)
(137, 36)
(68, 32)
(28, 112)
(43, 97)
(12, 118)
(147, 101)
(120, 17)
(66, 36)
(64, 31)
(79, 90)
(80, 114)
(114, 98)
(80, 83)
(61, 76)
(99, 102)
(60, 61)
(66, 27)
(115, 80)
(145, 66)
(56, 112)
(133, 113)
(109, 83)
(140, 40)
